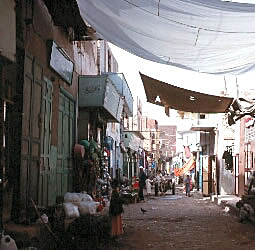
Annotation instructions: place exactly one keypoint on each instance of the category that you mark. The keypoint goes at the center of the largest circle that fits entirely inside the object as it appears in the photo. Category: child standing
(115, 210)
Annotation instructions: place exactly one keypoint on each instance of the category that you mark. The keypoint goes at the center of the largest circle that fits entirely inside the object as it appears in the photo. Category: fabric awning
(190, 164)
(163, 94)
(209, 36)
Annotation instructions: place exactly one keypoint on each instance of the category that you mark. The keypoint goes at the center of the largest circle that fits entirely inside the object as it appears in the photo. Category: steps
(218, 199)
(226, 201)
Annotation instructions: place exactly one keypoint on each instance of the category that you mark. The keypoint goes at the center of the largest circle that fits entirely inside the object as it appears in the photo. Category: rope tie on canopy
(158, 6)
(197, 36)
(237, 89)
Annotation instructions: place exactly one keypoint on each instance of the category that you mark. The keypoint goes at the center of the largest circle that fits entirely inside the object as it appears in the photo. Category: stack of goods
(129, 197)
(103, 208)
(76, 204)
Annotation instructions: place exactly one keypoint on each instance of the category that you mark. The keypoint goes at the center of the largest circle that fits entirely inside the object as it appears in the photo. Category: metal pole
(237, 89)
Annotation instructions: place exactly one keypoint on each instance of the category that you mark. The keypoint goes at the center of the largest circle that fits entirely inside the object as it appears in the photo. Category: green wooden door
(65, 144)
(47, 192)
(31, 132)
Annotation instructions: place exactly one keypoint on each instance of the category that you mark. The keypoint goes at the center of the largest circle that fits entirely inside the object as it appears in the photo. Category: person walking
(173, 185)
(115, 210)
(156, 183)
(142, 179)
(187, 185)
(148, 186)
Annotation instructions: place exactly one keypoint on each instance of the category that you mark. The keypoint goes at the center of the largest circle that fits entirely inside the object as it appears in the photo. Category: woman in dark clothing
(115, 210)
(142, 179)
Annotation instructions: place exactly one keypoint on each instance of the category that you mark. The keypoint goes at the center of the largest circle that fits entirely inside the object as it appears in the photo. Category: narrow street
(180, 222)
(100, 99)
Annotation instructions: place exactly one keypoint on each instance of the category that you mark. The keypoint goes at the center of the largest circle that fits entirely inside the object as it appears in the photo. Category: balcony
(118, 79)
(132, 140)
(204, 124)
(99, 93)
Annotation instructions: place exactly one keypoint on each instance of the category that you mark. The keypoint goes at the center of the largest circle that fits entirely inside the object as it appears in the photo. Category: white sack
(85, 197)
(71, 210)
(88, 207)
(72, 197)
(76, 198)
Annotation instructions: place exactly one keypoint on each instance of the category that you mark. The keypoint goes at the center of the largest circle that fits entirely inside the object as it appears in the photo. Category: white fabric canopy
(209, 36)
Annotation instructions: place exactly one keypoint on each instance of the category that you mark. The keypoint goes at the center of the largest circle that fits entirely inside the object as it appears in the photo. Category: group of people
(116, 202)
(160, 183)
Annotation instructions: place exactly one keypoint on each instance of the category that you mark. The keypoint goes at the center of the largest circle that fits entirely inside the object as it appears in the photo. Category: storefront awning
(163, 94)
(190, 164)
(99, 94)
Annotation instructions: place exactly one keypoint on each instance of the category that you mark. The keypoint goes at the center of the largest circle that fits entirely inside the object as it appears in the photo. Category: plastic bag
(71, 210)
(44, 219)
(88, 207)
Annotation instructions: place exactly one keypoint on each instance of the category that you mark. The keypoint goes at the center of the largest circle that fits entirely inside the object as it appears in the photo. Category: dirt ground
(180, 222)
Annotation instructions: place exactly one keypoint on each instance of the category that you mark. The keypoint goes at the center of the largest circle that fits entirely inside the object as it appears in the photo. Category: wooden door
(200, 164)
(65, 144)
(47, 192)
(205, 168)
(236, 173)
(30, 151)
(214, 178)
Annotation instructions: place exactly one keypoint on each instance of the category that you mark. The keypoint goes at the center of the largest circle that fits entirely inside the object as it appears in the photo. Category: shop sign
(61, 63)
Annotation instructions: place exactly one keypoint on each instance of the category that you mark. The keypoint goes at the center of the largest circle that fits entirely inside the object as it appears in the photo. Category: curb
(227, 202)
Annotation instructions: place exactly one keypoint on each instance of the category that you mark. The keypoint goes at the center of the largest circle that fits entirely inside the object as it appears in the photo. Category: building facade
(167, 146)
(46, 50)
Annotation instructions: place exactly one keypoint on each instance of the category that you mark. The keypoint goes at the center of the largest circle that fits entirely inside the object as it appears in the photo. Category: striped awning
(190, 164)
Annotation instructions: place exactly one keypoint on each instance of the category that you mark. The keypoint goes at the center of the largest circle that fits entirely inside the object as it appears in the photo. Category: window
(201, 116)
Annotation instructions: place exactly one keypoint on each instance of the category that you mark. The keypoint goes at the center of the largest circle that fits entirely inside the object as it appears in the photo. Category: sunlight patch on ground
(174, 197)
(205, 199)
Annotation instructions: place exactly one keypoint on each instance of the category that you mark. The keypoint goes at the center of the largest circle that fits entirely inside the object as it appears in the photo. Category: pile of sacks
(76, 204)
